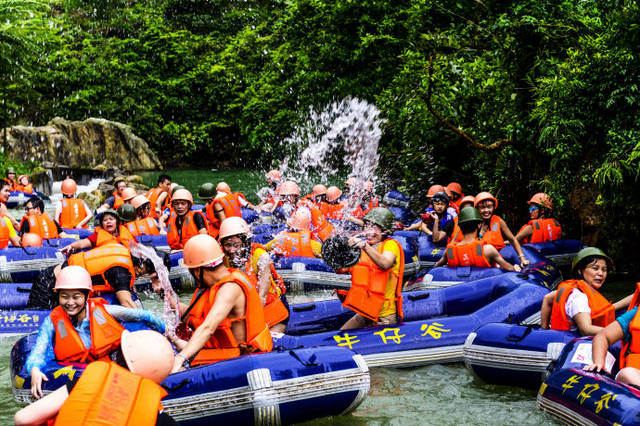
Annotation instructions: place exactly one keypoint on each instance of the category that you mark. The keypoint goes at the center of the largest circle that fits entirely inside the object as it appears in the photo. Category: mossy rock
(135, 179)
(91, 199)
(101, 167)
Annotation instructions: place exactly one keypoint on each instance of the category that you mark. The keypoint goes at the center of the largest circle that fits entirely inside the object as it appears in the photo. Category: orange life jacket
(470, 254)
(117, 200)
(146, 226)
(456, 235)
(369, 283)
(108, 394)
(359, 212)
(274, 310)
(602, 311)
(294, 244)
(99, 259)
(152, 196)
(4, 233)
(320, 227)
(73, 212)
(332, 211)
(493, 235)
(223, 344)
(43, 225)
(105, 334)
(12, 184)
(189, 229)
(213, 223)
(543, 230)
(124, 236)
(231, 204)
(28, 188)
(630, 353)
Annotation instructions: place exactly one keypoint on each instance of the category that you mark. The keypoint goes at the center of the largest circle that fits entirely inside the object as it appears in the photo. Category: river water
(436, 394)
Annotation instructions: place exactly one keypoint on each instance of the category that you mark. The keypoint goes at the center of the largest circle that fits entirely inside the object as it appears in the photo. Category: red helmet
(434, 188)
(483, 196)
(542, 200)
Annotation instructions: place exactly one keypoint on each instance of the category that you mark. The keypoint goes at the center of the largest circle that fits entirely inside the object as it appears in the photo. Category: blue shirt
(42, 351)
(624, 320)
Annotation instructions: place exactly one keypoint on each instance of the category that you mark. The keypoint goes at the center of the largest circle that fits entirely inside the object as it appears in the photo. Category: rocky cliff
(90, 143)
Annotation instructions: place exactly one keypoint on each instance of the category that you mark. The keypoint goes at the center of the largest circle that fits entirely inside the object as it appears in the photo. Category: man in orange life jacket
(289, 193)
(376, 280)
(183, 222)
(71, 212)
(225, 313)
(135, 217)
(40, 223)
(116, 199)
(228, 204)
(7, 230)
(207, 192)
(123, 389)
(110, 230)
(471, 251)
(297, 240)
(253, 259)
(269, 194)
(541, 227)
(5, 193)
(154, 195)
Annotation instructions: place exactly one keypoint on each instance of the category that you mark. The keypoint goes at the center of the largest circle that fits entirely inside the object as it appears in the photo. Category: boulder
(93, 200)
(135, 179)
(92, 143)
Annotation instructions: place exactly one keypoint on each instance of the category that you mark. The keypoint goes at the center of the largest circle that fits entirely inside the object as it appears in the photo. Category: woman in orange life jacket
(37, 222)
(470, 251)
(253, 259)
(70, 211)
(332, 208)
(289, 193)
(166, 207)
(24, 185)
(183, 222)
(11, 178)
(297, 240)
(5, 193)
(142, 361)
(456, 194)
(541, 227)
(376, 280)
(493, 229)
(225, 313)
(577, 303)
(7, 230)
(110, 230)
(75, 310)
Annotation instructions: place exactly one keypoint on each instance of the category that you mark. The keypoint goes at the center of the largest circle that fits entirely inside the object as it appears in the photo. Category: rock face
(85, 144)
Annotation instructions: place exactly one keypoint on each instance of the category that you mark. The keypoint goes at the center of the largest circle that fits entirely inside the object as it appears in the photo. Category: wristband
(186, 362)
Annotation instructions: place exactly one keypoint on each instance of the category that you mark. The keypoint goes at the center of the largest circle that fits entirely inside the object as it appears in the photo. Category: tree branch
(457, 130)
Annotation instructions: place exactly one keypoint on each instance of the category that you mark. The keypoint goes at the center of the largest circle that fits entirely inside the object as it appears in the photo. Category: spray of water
(171, 314)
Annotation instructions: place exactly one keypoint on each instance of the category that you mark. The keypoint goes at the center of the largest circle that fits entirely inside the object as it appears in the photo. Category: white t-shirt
(577, 302)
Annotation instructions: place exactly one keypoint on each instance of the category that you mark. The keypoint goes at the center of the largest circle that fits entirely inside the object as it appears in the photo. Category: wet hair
(468, 227)
(163, 177)
(37, 203)
(3, 183)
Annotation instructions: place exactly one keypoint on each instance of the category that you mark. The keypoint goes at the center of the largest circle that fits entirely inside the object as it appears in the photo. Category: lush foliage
(223, 82)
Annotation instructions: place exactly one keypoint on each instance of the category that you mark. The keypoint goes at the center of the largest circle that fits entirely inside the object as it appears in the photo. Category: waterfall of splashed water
(171, 315)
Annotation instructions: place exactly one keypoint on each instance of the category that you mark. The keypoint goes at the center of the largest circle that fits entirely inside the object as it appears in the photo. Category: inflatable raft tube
(514, 355)
(15, 318)
(273, 388)
(179, 275)
(20, 198)
(23, 264)
(560, 252)
(398, 203)
(578, 397)
(80, 232)
(436, 322)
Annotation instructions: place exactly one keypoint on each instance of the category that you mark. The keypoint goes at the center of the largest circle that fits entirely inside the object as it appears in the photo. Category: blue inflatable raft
(281, 387)
(579, 397)
(398, 203)
(436, 323)
(20, 198)
(23, 264)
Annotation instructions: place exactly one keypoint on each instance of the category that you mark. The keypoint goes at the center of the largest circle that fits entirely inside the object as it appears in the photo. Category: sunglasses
(533, 209)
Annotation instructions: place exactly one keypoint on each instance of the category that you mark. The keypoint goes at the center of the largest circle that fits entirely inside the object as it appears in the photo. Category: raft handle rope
(304, 308)
(516, 339)
(178, 386)
(419, 296)
(23, 290)
(311, 362)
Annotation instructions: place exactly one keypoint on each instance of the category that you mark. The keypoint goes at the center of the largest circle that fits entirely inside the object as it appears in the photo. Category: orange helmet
(274, 175)
(182, 194)
(128, 193)
(234, 225)
(468, 199)
(542, 200)
(433, 189)
(448, 192)
(73, 278)
(68, 186)
(223, 187)
(333, 193)
(289, 187)
(319, 189)
(202, 250)
(147, 353)
(300, 220)
(483, 196)
(31, 240)
(351, 181)
(139, 200)
(455, 187)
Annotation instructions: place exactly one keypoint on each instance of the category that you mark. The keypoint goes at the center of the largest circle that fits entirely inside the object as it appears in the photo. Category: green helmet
(111, 212)
(381, 217)
(175, 188)
(207, 191)
(11, 170)
(127, 213)
(469, 214)
(586, 253)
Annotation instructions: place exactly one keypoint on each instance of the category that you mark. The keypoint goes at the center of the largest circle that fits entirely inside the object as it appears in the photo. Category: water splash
(91, 186)
(171, 301)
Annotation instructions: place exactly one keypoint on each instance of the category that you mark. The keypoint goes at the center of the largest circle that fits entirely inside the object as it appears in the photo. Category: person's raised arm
(524, 233)
(623, 303)
(76, 245)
